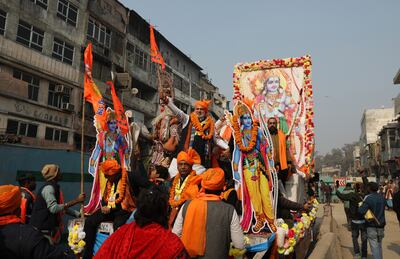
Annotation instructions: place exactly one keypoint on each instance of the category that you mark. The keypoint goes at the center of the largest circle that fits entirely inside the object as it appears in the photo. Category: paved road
(391, 241)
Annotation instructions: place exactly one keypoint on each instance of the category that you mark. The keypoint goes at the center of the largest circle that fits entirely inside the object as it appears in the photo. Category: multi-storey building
(41, 65)
(371, 123)
(41, 75)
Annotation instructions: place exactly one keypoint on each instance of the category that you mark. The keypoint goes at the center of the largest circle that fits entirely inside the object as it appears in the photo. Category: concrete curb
(328, 245)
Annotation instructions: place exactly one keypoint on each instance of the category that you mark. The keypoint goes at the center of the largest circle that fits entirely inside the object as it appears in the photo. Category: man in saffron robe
(116, 203)
(281, 162)
(185, 183)
(198, 130)
(207, 225)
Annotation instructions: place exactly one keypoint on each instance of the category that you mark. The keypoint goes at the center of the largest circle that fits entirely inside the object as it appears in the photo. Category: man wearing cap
(207, 225)
(198, 130)
(185, 183)
(49, 205)
(20, 240)
(116, 203)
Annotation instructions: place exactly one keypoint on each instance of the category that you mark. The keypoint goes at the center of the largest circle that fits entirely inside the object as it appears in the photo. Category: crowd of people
(194, 211)
(365, 204)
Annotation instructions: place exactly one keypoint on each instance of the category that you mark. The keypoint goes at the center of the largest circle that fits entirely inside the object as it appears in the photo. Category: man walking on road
(375, 228)
(357, 220)
(346, 203)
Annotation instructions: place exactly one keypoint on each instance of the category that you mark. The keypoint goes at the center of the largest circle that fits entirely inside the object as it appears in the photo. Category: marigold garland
(172, 202)
(238, 135)
(209, 124)
(121, 187)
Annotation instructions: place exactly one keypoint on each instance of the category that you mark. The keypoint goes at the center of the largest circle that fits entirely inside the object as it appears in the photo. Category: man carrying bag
(373, 209)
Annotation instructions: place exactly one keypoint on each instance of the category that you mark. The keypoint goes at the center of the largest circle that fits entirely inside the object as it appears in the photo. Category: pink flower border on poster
(306, 95)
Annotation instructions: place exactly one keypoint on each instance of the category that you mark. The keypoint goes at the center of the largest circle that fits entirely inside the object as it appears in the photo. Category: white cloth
(173, 168)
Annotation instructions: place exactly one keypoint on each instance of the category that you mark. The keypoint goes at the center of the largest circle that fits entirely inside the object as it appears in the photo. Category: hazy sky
(354, 45)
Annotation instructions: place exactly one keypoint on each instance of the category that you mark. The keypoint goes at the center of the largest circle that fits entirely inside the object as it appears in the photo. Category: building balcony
(141, 105)
(14, 52)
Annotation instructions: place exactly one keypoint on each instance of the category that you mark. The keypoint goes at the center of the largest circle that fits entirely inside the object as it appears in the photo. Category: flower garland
(209, 124)
(121, 187)
(181, 188)
(75, 238)
(288, 238)
(305, 63)
(238, 135)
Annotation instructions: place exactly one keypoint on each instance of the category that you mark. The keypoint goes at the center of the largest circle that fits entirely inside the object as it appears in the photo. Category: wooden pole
(82, 149)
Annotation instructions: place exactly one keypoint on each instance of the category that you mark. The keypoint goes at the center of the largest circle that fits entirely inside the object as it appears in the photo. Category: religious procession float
(272, 131)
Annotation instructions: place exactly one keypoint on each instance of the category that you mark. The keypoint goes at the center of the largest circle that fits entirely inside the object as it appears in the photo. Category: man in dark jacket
(357, 220)
(49, 205)
(375, 228)
(18, 240)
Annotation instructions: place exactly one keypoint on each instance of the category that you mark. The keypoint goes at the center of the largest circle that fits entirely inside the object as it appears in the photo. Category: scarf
(133, 241)
(194, 228)
(9, 219)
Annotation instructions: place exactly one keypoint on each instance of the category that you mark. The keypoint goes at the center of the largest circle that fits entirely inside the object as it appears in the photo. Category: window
(67, 12)
(3, 16)
(21, 128)
(30, 36)
(196, 92)
(99, 33)
(177, 82)
(41, 3)
(58, 95)
(63, 51)
(56, 135)
(33, 83)
(137, 56)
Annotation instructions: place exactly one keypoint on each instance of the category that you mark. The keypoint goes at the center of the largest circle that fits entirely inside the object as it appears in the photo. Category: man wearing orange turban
(209, 224)
(185, 183)
(198, 130)
(116, 203)
(20, 240)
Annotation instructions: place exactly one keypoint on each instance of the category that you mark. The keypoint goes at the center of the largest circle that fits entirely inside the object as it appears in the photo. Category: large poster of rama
(282, 88)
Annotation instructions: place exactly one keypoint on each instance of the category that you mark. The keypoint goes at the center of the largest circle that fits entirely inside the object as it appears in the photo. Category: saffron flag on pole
(91, 92)
(155, 54)
(119, 110)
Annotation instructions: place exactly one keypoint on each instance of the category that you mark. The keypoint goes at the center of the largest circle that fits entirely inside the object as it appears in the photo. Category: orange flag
(154, 52)
(91, 91)
(119, 110)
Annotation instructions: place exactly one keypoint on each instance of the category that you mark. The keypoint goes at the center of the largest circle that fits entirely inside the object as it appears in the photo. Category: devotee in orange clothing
(207, 225)
(185, 183)
(20, 240)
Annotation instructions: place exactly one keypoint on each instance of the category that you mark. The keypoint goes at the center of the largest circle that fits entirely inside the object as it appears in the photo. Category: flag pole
(82, 148)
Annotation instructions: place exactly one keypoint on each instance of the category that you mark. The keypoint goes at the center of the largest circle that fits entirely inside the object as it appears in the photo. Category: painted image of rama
(252, 169)
(273, 97)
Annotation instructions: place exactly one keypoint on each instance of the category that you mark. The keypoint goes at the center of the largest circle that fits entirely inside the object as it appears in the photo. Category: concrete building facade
(371, 123)
(41, 68)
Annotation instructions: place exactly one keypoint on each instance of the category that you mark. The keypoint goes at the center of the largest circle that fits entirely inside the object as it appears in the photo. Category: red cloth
(9, 219)
(151, 241)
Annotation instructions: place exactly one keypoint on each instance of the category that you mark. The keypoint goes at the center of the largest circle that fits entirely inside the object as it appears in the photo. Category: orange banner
(155, 54)
(119, 110)
(91, 91)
